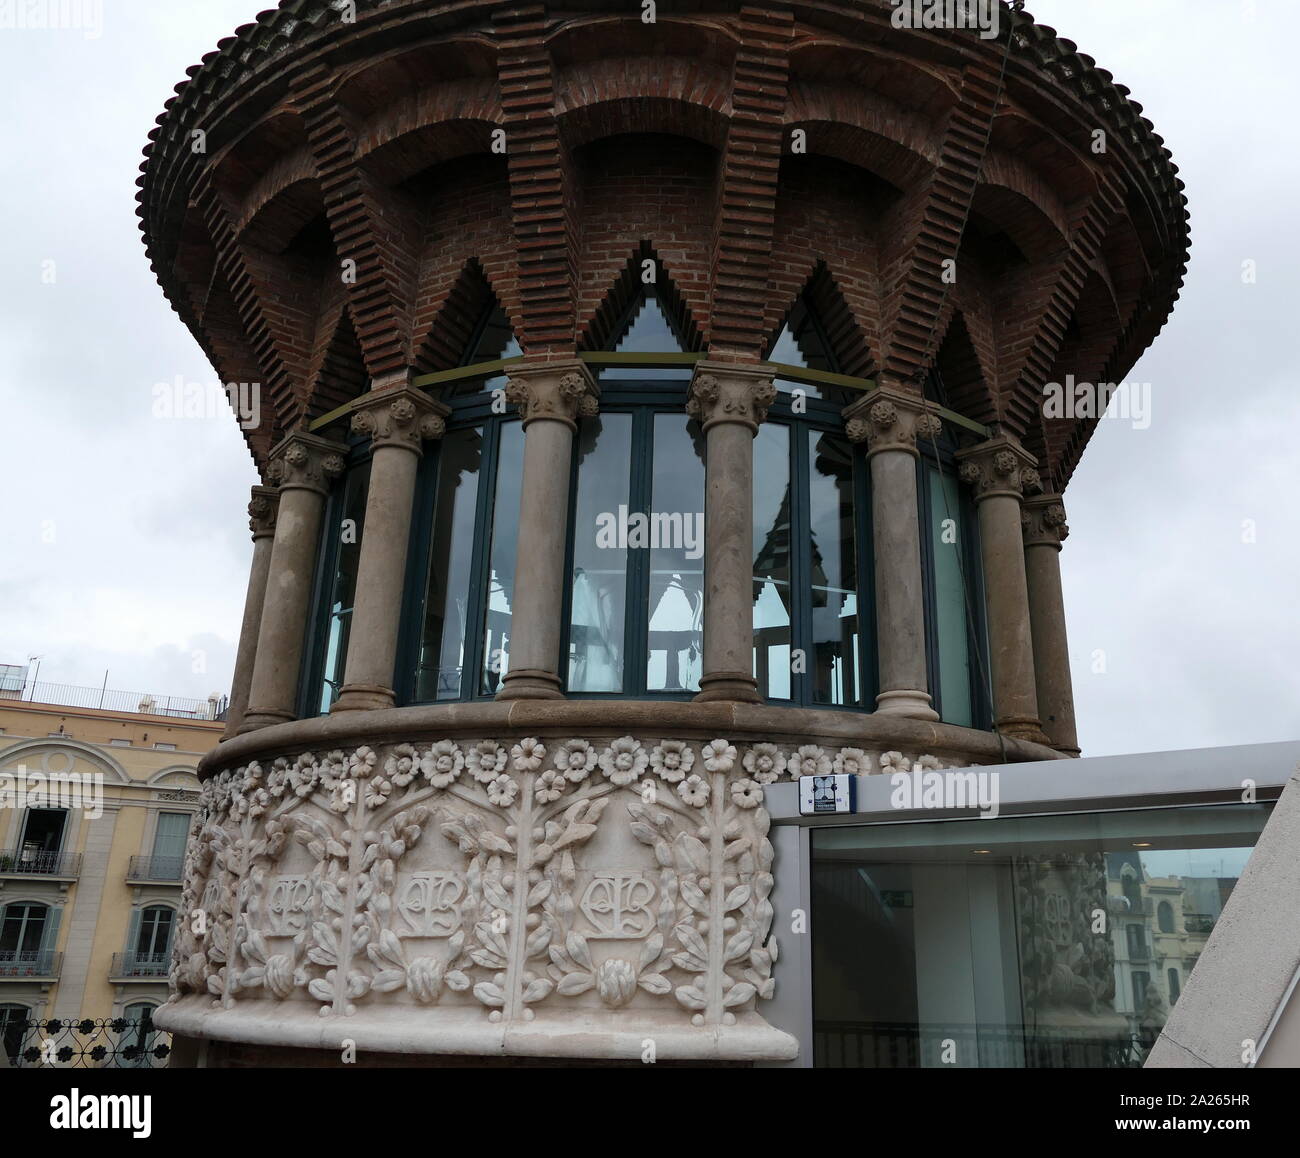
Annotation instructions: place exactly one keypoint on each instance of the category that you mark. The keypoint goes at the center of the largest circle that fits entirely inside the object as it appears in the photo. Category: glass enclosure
(1046, 941)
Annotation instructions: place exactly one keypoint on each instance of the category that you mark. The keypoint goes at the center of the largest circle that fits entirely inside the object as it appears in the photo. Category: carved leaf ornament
(507, 877)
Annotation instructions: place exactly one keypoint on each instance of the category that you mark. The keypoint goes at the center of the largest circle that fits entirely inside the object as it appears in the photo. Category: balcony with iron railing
(29, 965)
(28, 862)
(158, 870)
(140, 966)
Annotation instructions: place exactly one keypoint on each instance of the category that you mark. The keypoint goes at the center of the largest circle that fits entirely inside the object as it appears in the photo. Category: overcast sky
(123, 540)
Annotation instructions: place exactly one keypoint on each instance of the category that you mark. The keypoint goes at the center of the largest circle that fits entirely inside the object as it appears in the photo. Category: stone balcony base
(608, 1035)
(566, 879)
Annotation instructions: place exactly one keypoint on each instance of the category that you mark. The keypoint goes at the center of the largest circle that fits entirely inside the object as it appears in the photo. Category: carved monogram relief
(506, 880)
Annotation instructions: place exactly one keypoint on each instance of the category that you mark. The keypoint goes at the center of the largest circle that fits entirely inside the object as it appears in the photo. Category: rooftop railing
(106, 699)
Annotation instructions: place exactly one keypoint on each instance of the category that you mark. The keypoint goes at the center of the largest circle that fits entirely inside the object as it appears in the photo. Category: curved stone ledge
(872, 732)
(550, 898)
(394, 1031)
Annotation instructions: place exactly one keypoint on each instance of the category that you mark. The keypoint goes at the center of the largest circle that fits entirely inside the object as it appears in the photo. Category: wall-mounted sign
(819, 794)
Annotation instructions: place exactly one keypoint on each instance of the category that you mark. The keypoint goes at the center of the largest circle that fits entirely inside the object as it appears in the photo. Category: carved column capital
(1000, 466)
(556, 391)
(724, 392)
(262, 510)
(888, 419)
(403, 418)
(306, 462)
(1044, 522)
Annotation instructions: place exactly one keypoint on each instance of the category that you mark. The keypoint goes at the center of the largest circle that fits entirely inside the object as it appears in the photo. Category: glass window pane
(447, 577)
(495, 660)
(599, 593)
(772, 609)
(647, 331)
(496, 341)
(169, 841)
(951, 626)
(980, 933)
(835, 651)
(800, 343)
(676, 604)
(343, 582)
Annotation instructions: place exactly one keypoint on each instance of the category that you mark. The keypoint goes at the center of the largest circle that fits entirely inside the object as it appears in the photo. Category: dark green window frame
(472, 408)
(940, 455)
(643, 400)
(824, 417)
(312, 681)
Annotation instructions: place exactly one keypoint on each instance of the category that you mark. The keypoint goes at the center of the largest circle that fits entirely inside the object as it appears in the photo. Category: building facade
(97, 808)
(653, 408)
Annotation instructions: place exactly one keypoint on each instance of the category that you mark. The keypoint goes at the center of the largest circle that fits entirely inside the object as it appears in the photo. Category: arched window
(336, 580)
(1165, 916)
(636, 531)
(26, 939)
(813, 604)
(152, 941)
(956, 656)
(460, 582)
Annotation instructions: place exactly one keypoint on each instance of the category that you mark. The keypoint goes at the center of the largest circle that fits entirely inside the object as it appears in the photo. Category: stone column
(550, 397)
(996, 470)
(729, 401)
(1045, 530)
(303, 465)
(261, 521)
(889, 421)
(397, 422)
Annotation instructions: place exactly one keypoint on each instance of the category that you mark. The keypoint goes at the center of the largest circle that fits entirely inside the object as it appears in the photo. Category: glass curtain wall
(1015, 942)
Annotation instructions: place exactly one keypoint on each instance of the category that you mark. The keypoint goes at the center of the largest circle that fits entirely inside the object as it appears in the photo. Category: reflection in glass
(836, 677)
(599, 593)
(772, 546)
(494, 342)
(981, 933)
(951, 624)
(447, 577)
(501, 558)
(647, 330)
(674, 655)
(343, 582)
(801, 343)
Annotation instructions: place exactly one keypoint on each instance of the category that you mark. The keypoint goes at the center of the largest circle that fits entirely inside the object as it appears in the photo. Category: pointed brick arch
(339, 370)
(601, 321)
(837, 319)
(962, 369)
(464, 304)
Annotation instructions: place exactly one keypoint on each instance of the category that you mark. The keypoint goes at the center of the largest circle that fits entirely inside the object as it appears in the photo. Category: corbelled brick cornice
(312, 129)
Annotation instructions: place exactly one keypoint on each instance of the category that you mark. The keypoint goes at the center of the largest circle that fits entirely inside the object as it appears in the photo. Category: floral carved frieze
(510, 881)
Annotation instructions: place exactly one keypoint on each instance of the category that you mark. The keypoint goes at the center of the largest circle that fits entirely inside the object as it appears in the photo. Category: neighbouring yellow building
(95, 810)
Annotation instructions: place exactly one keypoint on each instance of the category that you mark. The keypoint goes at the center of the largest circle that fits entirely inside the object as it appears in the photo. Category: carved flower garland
(511, 934)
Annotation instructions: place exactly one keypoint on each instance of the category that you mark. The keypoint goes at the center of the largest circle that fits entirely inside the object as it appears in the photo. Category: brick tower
(651, 411)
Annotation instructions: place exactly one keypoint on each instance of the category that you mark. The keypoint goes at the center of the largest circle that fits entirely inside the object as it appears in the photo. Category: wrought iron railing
(140, 966)
(72, 696)
(87, 1044)
(901, 1046)
(29, 964)
(155, 868)
(27, 862)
